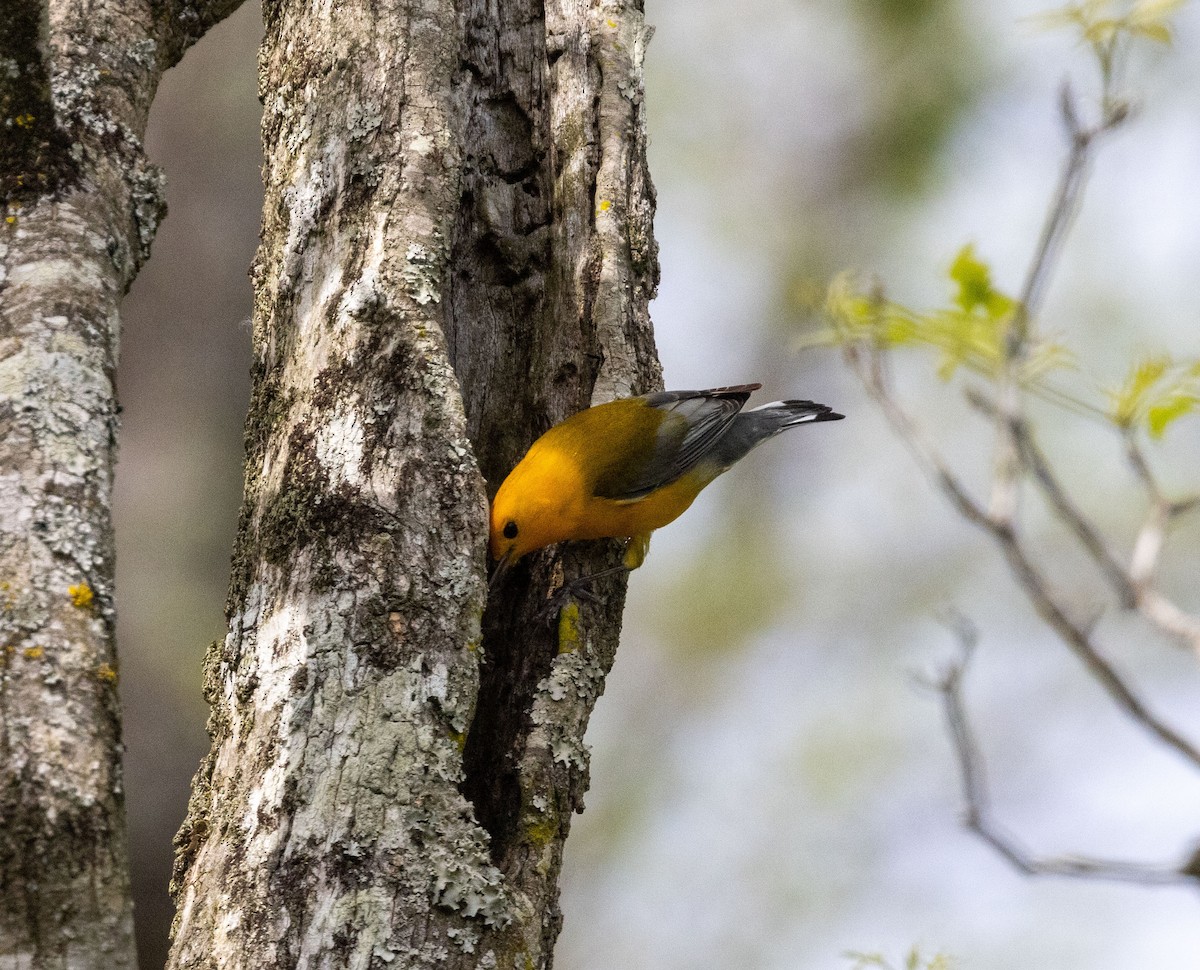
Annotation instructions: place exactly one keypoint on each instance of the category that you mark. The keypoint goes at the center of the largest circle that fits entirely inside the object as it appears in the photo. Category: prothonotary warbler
(628, 467)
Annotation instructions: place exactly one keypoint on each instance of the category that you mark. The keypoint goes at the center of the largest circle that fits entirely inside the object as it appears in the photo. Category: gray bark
(81, 205)
(456, 253)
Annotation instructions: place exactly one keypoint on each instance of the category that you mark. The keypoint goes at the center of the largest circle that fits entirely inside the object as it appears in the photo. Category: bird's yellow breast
(551, 494)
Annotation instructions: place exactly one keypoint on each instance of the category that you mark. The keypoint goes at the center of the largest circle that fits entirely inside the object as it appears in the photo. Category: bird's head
(531, 510)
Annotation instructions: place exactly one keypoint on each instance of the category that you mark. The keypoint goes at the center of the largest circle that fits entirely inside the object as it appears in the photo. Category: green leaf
(1100, 24)
(1158, 391)
(972, 332)
(1127, 402)
(1156, 32)
(973, 278)
(975, 290)
(1150, 18)
(1160, 414)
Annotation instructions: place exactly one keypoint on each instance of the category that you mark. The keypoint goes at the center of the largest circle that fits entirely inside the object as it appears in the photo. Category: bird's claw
(576, 588)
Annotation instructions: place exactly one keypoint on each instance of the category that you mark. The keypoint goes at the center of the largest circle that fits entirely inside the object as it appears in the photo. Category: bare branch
(1065, 204)
(1036, 587)
(1078, 639)
(1006, 468)
(1182, 506)
(1069, 514)
(873, 374)
(1147, 548)
(1143, 471)
(978, 814)
(1133, 586)
(1006, 474)
(1034, 461)
(1169, 618)
(1147, 551)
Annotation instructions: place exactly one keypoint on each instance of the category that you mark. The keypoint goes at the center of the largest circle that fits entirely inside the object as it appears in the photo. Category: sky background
(770, 787)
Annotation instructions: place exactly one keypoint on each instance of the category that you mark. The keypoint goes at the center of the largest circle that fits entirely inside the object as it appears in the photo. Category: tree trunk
(81, 208)
(456, 253)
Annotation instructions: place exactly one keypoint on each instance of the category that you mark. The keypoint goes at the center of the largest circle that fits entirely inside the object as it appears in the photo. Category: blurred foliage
(1156, 392)
(971, 332)
(1102, 24)
(989, 332)
(744, 588)
(926, 78)
(912, 961)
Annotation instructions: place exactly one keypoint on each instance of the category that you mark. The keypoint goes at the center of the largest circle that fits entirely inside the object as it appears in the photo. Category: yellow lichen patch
(542, 832)
(81, 595)
(107, 673)
(24, 121)
(569, 634)
(33, 653)
(605, 205)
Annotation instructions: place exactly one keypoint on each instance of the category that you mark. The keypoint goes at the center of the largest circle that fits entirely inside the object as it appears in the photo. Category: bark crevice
(393, 769)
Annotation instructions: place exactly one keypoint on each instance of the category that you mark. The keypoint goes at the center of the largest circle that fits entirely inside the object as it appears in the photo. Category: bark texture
(81, 205)
(456, 253)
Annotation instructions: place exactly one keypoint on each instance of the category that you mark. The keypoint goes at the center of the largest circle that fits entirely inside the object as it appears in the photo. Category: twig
(1006, 467)
(1147, 550)
(1006, 472)
(1169, 618)
(1133, 586)
(978, 813)
(1147, 547)
(873, 375)
(1142, 469)
(1065, 203)
(1037, 589)
(1006, 478)
(1088, 535)
(1078, 638)
(1034, 461)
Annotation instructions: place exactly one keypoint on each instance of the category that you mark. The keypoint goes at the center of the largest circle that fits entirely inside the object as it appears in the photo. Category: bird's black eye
(510, 530)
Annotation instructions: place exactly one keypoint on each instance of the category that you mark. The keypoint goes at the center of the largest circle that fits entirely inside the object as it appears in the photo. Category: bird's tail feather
(755, 426)
(788, 413)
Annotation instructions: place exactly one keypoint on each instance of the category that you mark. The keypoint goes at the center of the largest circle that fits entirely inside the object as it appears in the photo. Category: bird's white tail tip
(798, 412)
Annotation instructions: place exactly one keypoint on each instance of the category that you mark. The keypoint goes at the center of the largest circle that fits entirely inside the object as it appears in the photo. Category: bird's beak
(503, 564)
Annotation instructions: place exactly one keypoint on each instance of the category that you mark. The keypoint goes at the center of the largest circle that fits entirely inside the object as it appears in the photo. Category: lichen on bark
(81, 203)
(393, 770)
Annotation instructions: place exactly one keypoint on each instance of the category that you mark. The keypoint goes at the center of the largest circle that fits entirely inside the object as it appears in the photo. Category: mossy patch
(307, 508)
(35, 153)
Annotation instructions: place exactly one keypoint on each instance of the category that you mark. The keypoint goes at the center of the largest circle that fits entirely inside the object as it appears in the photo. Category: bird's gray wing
(692, 423)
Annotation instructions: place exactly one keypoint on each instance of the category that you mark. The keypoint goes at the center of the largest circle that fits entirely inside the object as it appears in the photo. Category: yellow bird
(623, 469)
